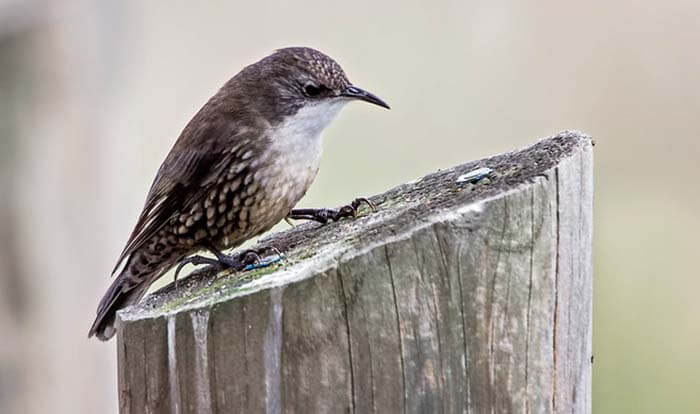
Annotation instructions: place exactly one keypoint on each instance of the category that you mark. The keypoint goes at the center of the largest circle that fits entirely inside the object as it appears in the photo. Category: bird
(239, 167)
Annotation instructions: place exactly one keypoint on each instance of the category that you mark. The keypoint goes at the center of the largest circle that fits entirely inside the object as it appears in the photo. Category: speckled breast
(251, 197)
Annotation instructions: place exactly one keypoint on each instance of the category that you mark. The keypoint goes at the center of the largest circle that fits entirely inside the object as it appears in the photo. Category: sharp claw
(250, 258)
(356, 203)
(177, 272)
(347, 211)
(266, 261)
(194, 260)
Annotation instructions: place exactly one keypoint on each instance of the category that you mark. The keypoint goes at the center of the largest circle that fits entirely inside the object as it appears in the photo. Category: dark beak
(354, 92)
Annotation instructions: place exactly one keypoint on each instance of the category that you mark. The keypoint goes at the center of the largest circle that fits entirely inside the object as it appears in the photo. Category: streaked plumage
(238, 168)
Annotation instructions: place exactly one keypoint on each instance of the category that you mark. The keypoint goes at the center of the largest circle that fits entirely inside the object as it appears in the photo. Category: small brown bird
(238, 168)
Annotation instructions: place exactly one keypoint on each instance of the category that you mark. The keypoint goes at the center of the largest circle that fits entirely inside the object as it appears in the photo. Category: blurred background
(93, 94)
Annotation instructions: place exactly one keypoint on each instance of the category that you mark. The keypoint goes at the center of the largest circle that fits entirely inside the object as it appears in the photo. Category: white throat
(310, 120)
(295, 150)
(299, 135)
(296, 144)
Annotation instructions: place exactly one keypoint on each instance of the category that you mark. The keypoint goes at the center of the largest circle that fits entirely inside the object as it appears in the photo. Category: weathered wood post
(452, 297)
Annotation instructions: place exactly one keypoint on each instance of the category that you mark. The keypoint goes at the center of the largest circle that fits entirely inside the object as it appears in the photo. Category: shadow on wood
(451, 297)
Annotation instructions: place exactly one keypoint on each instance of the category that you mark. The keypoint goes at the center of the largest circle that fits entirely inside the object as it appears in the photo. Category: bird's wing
(197, 159)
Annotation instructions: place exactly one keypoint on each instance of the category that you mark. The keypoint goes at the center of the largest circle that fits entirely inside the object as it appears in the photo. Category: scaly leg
(323, 215)
(245, 260)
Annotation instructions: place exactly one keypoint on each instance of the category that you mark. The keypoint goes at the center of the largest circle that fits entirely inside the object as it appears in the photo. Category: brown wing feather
(198, 157)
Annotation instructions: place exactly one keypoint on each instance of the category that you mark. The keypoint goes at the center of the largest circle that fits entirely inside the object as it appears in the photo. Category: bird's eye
(312, 90)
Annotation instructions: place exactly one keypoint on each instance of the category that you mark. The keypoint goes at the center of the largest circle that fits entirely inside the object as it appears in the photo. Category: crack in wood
(529, 302)
(200, 331)
(436, 303)
(492, 328)
(272, 351)
(144, 353)
(556, 298)
(464, 326)
(398, 326)
(349, 339)
(173, 379)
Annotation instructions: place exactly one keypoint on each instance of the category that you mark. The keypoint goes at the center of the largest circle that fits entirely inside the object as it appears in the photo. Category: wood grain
(452, 297)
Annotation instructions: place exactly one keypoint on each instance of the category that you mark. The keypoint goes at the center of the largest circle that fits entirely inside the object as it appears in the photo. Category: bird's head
(303, 84)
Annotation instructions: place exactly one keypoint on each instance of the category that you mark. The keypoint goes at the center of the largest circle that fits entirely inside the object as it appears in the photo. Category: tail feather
(141, 269)
(117, 297)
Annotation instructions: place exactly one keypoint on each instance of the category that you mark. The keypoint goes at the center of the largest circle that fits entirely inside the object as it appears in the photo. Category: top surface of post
(311, 248)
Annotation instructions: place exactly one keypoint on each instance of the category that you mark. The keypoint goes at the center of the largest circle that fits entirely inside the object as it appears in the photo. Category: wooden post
(452, 297)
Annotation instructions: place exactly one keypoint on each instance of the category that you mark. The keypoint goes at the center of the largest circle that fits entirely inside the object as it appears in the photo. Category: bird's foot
(246, 260)
(196, 261)
(323, 215)
(266, 261)
(250, 259)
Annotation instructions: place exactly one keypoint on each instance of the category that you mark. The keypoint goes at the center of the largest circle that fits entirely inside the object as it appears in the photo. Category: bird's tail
(120, 294)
